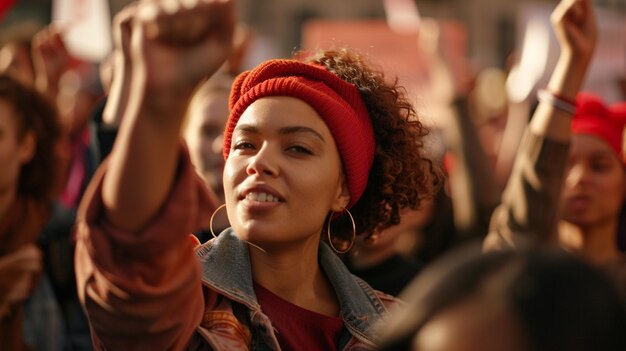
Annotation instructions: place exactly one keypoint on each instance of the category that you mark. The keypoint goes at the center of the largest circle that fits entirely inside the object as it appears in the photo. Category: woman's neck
(295, 276)
(596, 244)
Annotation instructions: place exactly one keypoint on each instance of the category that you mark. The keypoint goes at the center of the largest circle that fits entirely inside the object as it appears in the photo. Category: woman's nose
(263, 162)
(577, 175)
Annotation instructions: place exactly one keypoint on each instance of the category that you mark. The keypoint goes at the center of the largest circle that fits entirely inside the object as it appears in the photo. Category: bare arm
(528, 211)
(575, 26)
(172, 47)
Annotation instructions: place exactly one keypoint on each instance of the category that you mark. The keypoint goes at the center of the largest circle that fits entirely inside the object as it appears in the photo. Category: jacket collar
(360, 307)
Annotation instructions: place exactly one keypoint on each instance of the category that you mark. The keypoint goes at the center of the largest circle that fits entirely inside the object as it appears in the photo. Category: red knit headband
(595, 118)
(338, 102)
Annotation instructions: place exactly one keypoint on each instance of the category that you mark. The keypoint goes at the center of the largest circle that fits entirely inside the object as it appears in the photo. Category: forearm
(566, 81)
(527, 214)
(143, 160)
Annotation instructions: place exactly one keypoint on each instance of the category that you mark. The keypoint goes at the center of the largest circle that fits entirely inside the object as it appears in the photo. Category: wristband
(557, 101)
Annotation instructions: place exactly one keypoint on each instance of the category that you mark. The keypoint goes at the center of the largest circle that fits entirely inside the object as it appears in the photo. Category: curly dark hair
(401, 175)
(34, 113)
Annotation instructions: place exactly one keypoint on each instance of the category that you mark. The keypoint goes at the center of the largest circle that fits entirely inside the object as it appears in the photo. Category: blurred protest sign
(415, 58)
(86, 26)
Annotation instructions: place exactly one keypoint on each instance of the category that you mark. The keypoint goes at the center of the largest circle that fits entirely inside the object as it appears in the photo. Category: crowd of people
(170, 200)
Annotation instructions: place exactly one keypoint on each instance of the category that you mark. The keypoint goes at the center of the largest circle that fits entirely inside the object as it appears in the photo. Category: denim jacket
(361, 306)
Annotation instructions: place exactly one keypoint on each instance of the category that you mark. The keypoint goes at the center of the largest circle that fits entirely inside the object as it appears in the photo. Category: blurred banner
(5, 6)
(423, 61)
(86, 27)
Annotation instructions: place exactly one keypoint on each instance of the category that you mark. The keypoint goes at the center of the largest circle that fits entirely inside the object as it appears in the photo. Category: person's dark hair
(34, 113)
(401, 175)
(560, 302)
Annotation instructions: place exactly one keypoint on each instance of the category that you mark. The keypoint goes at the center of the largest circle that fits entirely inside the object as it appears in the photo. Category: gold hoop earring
(352, 240)
(213, 216)
(215, 237)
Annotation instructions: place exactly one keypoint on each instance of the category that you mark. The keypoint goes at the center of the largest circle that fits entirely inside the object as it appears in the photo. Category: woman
(29, 133)
(585, 181)
(305, 143)
(595, 181)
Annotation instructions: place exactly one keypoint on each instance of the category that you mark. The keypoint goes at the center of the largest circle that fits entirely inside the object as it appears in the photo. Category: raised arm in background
(528, 211)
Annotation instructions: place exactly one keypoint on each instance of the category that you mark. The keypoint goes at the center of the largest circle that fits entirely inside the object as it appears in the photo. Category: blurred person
(385, 260)
(595, 181)
(574, 193)
(530, 202)
(461, 209)
(75, 88)
(292, 172)
(29, 133)
(541, 315)
(538, 300)
(488, 107)
(203, 132)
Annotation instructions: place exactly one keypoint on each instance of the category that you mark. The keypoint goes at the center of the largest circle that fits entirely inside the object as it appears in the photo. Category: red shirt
(298, 328)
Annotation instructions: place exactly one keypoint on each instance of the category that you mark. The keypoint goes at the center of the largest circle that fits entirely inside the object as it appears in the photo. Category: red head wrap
(595, 118)
(338, 102)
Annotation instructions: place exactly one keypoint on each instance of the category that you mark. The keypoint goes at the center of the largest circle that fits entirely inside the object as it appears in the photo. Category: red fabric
(299, 329)
(594, 117)
(5, 6)
(142, 289)
(338, 102)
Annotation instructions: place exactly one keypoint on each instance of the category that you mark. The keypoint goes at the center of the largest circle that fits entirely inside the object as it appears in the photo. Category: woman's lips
(261, 197)
(579, 203)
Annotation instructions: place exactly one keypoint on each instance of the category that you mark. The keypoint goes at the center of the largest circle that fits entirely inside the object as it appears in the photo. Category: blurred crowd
(516, 243)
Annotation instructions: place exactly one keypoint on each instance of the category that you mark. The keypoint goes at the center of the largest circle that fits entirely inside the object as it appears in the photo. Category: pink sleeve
(142, 290)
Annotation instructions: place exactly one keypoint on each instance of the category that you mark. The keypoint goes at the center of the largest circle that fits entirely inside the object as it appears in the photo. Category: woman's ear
(27, 147)
(343, 197)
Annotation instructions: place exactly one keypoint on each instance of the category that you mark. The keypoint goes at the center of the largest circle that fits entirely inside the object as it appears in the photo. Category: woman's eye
(243, 145)
(600, 166)
(300, 149)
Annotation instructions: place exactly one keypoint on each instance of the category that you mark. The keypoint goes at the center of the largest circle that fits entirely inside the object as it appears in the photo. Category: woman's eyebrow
(249, 128)
(301, 129)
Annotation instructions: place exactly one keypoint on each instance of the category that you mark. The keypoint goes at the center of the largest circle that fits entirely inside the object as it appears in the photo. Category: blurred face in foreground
(471, 325)
(283, 174)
